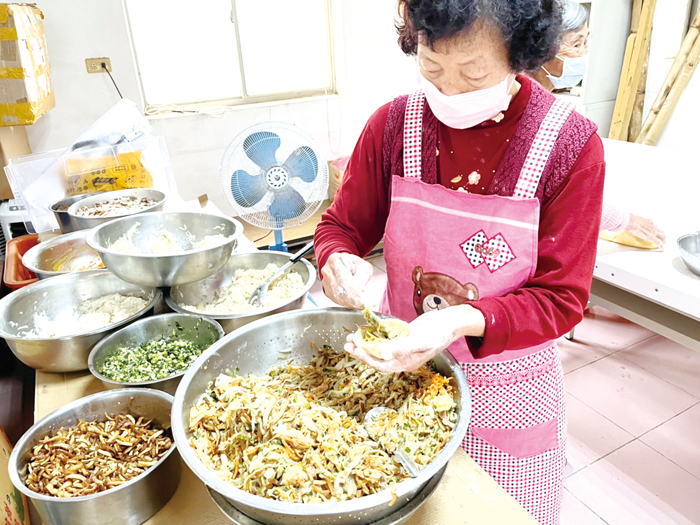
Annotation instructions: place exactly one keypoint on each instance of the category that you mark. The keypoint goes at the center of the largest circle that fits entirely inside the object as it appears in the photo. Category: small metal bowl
(195, 329)
(60, 211)
(204, 291)
(18, 311)
(63, 254)
(148, 269)
(85, 223)
(131, 503)
(689, 246)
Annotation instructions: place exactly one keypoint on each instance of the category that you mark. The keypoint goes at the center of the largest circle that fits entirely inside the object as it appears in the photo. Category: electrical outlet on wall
(94, 65)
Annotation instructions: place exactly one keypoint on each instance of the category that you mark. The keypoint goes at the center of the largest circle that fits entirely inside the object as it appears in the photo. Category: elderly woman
(487, 191)
(565, 71)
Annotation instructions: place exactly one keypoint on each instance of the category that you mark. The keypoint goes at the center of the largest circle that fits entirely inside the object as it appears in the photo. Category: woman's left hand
(431, 333)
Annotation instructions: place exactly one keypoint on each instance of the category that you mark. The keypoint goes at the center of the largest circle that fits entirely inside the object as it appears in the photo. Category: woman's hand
(431, 333)
(345, 280)
(646, 230)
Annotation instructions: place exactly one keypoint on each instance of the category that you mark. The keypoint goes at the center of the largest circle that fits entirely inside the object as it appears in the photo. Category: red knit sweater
(552, 302)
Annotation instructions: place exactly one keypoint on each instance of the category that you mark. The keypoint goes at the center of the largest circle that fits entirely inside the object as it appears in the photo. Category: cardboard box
(26, 92)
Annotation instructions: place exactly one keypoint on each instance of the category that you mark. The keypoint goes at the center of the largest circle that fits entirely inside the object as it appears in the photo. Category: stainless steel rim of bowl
(157, 294)
(31, 257)
(13, 468)
(75, 198)
(90, 239)
(307, 509)
(158, 195)
(173, 304)
(153, 319)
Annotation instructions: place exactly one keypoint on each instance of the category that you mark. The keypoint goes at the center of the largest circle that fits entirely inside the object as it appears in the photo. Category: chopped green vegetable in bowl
(153, 352)
(153, 360)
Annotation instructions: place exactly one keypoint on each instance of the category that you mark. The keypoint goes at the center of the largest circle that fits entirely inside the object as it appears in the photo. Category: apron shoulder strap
(412, 136)
(541, 149)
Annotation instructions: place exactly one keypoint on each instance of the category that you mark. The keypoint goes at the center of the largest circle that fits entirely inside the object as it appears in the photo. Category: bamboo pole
(619, 129)
(674, 95)
(638, 109)
(681, 58)
(636, 15)
(625, 72)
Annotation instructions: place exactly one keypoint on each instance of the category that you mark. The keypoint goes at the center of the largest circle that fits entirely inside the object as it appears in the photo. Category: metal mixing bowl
(145, 269)
(204, 291)
(689, 246)
(63, 254)
(53, 297)
(131, 503)
(256, 348)
(85, 223)
(194, 328)
(60, 211)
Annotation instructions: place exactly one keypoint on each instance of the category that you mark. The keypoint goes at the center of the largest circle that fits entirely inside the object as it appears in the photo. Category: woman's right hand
(345, 280)
(646, 229)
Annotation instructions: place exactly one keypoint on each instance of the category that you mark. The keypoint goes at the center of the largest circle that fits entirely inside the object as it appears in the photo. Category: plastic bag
(118, 152)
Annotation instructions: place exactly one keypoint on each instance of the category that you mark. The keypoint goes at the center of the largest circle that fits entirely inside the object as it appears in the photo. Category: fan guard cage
(293, 143)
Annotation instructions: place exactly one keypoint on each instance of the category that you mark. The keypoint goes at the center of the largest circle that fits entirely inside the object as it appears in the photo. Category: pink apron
(443, 248)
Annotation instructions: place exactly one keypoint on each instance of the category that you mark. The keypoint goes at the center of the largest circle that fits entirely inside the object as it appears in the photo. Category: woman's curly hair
(531, 29)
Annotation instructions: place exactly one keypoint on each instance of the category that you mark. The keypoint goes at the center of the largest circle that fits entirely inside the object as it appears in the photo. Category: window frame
(334, 49)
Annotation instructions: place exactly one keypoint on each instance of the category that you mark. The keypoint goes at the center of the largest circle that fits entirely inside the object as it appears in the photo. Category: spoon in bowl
(406, 462)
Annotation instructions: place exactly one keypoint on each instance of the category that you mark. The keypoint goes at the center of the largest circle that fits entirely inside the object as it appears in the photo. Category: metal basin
(131, 503)
(86, 223)
(689, 246)
(193, 265)
(53, 297)
(204, 291)
(60, 211)
(196, 329)
(255, 348)
(63, 254)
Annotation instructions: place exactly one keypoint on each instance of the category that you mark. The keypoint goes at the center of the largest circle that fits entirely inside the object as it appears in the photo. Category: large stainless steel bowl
(204, 291)
(689, 246)
(63, 254)
(199, 330)
(54, 297)
(60, 211)
(131, 503)
(86, 223)
(256, 348)
(145, 269)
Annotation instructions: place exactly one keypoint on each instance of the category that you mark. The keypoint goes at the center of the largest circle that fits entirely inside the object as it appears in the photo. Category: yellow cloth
(626, 238)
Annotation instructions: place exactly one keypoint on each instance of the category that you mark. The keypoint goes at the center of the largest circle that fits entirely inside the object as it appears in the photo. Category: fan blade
(261, 147)
(247, 189)
(303, 163)
(287, 204)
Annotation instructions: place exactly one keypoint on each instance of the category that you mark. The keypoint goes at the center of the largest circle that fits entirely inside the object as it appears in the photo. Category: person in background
(565, 71)
(487, 191)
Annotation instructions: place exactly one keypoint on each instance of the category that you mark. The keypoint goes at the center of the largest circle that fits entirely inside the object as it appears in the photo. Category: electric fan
(274, 177)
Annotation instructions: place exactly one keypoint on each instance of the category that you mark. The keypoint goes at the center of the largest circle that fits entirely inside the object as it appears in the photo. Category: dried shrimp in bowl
(92, 457)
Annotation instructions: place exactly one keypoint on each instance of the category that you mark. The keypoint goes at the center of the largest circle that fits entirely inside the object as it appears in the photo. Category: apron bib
(444, 248)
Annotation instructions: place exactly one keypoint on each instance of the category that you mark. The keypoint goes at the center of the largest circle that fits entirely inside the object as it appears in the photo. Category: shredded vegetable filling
(297, 434)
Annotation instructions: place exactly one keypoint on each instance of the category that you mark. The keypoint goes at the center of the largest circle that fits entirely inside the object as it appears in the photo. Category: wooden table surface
(466, 495)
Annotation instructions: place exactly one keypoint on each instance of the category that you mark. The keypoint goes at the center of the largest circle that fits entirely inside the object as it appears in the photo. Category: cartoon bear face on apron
(444, 248)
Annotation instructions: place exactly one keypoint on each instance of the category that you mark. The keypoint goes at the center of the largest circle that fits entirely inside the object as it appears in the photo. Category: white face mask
(467, 109)
(572, 73)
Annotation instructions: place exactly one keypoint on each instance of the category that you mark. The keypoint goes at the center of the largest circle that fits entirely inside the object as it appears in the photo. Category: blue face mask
(572, 73)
